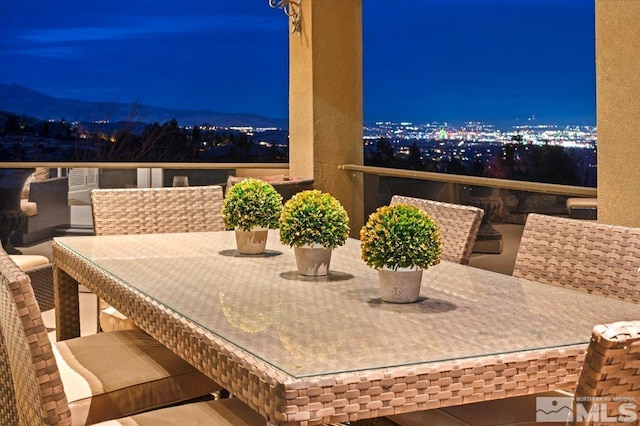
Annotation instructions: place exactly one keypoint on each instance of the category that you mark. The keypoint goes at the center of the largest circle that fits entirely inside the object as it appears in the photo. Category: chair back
(611, 370)
(36, 394)
(458, 225)
(8, 409)
(581, 255)
(157, 210)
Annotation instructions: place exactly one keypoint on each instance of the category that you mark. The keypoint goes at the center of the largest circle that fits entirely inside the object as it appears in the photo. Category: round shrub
(400, 236)
(314, 217)
(251, 202)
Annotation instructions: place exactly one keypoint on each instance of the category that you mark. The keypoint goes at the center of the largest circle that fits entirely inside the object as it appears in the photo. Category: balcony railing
(380, 184)
(545, 188)
(503, 200)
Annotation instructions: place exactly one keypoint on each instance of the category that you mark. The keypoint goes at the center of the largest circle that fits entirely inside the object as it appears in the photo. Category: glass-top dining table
(316, 350)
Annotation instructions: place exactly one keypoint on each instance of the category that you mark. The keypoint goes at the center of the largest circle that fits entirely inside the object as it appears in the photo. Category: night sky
(424, 60)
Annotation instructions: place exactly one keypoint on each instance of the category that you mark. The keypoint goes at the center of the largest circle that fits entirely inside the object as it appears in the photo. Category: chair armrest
(42, 283)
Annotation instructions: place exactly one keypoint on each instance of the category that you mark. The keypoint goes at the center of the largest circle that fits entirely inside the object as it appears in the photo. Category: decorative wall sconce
(292, 9)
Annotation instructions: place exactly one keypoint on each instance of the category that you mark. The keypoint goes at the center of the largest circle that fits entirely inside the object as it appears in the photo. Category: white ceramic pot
(251, 242)
(401, 285)
(313, 261)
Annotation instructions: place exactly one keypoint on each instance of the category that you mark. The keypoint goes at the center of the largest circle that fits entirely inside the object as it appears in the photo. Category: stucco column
(325, 100)
(618, 110)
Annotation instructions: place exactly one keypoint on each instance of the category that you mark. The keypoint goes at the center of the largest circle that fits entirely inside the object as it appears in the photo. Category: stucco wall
(326, 100)
(618, 111)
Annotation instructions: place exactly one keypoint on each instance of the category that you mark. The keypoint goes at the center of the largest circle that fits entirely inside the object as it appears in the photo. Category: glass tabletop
(308, 326)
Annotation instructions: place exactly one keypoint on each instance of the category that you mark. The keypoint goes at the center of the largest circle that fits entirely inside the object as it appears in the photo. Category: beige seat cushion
(581, 203)
(517, 411)
(26, 187)
(29, 208)
(110, 375)
(113, 320)
(41, 174)
(223, 412)
(28, 261)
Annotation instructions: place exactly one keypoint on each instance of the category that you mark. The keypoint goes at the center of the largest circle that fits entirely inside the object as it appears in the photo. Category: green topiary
(251, 202)
(400, 236)
(314, 217)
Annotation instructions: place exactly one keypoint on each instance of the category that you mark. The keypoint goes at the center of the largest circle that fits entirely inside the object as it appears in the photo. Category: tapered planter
(401, 285)
(313, 261)
(251, 242)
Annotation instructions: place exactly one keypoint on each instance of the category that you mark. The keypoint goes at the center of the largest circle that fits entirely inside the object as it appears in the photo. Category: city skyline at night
(424, 60)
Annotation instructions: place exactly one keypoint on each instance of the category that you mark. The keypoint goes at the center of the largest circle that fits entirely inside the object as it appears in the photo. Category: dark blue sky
(490, 60)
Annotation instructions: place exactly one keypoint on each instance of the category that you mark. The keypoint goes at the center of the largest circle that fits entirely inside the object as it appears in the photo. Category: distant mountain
(22, 100)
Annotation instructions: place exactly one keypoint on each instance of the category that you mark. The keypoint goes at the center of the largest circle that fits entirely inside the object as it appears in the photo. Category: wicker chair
(610, 375)
(157, 210)
(458, 224)
(88, 379)
(581, 255)
(152, 211)
(40, 271)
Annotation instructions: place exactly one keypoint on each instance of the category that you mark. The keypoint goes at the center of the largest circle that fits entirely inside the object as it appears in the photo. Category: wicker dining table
(317, 350)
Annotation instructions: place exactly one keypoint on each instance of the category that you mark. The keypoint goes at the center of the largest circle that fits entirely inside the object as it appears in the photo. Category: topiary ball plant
(251, 203)
(313, 217)
(400, 236)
